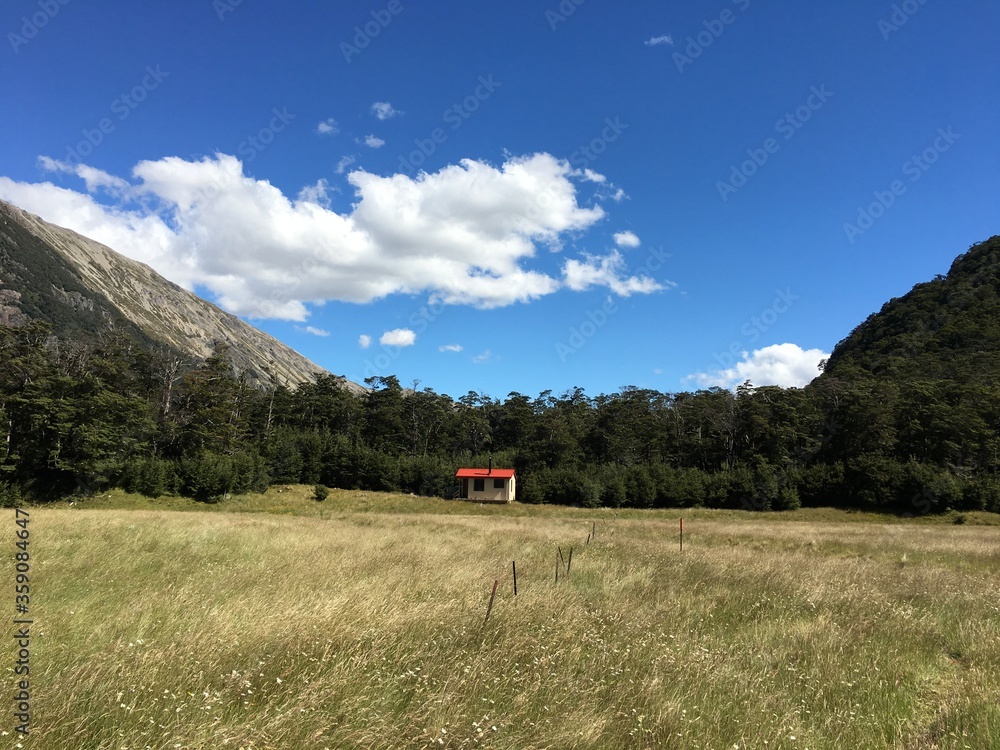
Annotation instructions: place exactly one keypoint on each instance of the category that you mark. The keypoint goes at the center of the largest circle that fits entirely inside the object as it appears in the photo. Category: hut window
(478, 485)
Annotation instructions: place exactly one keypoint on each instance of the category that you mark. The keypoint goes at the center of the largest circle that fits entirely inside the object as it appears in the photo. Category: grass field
(278, 622)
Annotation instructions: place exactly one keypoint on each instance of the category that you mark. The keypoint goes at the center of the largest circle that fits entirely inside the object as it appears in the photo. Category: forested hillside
(945, 329)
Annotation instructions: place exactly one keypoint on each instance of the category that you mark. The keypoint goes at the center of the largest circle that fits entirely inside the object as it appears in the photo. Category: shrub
(876, 483)
(10, 495)
(640, 492)
(150, 476)
(571, 487)
(320, 493)
(613, 493)
(982, 493)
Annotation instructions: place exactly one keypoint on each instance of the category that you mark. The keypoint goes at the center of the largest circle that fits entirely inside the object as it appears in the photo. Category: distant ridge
(82, 287)
(944, 329)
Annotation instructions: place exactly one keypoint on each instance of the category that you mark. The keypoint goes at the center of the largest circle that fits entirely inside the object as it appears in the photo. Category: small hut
(487, 485)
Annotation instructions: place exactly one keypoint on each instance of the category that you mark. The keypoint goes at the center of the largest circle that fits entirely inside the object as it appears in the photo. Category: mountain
(944, 329)
(82, 287)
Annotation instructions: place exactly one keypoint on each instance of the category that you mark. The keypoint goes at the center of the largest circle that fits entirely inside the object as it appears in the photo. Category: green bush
(10, 495)
(982, 493)
(150, 476)
(613, 491)
(640, 492)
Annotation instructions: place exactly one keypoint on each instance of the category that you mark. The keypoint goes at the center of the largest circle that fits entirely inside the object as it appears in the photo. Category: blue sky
(520, 196)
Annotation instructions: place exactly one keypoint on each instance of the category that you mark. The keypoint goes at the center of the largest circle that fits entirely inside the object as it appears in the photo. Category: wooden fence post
(513, 566)
(489, 607)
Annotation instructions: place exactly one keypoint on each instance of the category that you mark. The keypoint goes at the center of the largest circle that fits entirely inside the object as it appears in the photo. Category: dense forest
(905, 418)
(83, 416)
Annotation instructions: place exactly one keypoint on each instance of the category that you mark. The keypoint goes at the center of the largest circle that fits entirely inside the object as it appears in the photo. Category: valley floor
(278, 622)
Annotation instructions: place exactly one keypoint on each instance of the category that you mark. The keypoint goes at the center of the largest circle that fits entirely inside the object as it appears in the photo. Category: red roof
(480, 473)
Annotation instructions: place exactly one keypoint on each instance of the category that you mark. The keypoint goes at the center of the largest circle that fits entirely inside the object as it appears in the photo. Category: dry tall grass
(165, 629)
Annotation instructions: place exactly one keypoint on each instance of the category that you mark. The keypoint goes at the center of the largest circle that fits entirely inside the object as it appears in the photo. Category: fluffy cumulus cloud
(787, 365)
(398, 337)
(607, 271)
(627, 239)
(384, 110)
(364, 341)
(94, 179)
(328, 127)
(373, 141)
(468, 234)
(318, 193)
(344, 163)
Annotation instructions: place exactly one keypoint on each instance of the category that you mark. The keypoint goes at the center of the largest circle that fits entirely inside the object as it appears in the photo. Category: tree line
(82, 416)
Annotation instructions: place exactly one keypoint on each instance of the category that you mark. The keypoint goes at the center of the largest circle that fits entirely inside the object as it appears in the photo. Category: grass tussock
(354, 628)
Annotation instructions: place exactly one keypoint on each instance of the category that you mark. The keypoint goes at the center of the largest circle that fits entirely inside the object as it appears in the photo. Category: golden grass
(352, 628)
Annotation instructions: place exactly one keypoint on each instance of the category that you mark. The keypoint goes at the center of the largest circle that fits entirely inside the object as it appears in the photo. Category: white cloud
(312, 330)
(480, 358)
(787, 365)
(450, 348)
(364, 341)
(343, 164)
(658, 40)
(328, 127)
(619, 195)
(317, 194)
(607, 271)
(374, 141)
(467, 234)
(627, 239)
(591, 176)
(398, 337)
(384, 110)
(92, 177)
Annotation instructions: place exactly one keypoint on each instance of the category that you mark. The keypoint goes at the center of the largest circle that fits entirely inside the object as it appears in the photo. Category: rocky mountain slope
(81, 286)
